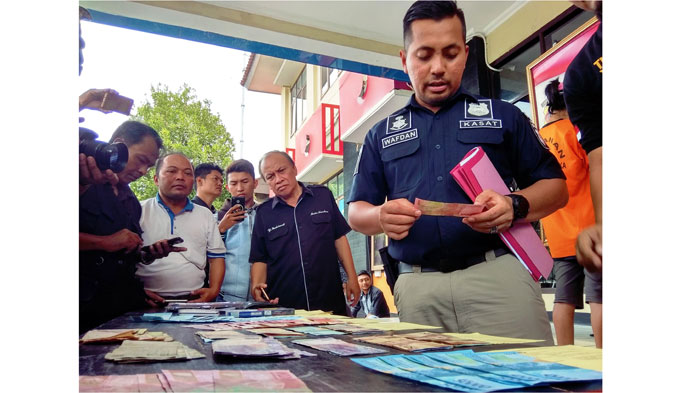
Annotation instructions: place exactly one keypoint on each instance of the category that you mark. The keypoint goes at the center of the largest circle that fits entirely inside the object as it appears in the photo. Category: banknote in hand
(432, 208)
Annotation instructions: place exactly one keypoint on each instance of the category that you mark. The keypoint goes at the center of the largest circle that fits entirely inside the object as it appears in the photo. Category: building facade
(327, 112)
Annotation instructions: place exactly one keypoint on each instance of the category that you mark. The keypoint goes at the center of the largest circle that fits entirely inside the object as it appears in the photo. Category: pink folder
(476, 173)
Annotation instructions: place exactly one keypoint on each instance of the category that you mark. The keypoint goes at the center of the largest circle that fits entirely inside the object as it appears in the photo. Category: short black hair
(202, 170)
(282, 153)
(241, 165)
(554, 96)
(436, 10)
(132, 132)
(364, 272)
(160, 160)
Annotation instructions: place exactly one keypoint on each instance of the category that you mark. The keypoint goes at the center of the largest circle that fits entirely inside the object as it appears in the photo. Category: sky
(130, 61)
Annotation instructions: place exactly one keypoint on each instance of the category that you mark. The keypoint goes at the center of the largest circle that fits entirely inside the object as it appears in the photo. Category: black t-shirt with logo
(582, 89)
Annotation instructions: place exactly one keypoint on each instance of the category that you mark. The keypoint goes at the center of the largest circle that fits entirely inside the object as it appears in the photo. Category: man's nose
(437, 66)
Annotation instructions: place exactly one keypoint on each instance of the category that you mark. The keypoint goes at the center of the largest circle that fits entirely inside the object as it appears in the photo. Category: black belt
(450, 264)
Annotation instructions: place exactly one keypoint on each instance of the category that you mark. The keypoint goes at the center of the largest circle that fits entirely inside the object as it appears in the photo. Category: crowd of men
(454, 273)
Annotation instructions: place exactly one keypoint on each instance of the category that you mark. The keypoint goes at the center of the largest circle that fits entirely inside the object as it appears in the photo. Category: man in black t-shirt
(110, 233)
(583, 96)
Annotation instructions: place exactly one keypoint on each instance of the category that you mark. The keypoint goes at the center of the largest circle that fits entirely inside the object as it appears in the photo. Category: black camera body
(112, 156)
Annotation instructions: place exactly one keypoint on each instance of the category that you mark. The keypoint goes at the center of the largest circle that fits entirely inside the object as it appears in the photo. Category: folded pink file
(476, 173)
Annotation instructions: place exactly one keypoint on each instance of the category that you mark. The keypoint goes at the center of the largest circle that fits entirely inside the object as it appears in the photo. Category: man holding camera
(235, 227)
(110, 233)
(171, 214)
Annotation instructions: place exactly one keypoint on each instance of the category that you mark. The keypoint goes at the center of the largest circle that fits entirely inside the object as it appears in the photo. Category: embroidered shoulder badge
(478, 109)
(398, 122)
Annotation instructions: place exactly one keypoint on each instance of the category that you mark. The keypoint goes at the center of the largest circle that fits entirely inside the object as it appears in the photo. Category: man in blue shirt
(455, 273)
(298, 236)
(236, 226)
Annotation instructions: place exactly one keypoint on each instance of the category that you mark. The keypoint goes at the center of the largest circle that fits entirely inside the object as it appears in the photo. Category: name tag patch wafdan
(401, 137)
(400, 122)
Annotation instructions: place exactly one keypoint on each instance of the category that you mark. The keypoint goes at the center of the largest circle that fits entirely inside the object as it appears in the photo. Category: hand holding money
(396, 217)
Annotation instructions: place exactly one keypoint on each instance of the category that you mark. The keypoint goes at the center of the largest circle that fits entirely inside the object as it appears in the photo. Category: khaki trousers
(497, 297)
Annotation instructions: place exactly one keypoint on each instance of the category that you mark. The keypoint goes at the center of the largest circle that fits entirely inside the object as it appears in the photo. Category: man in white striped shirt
(171, 214)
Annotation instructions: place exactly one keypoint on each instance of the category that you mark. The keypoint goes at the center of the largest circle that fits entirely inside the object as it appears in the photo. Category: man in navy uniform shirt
(298, 236)
(455, 273)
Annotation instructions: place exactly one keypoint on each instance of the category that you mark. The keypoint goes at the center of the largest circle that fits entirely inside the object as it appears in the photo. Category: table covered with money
(297, 350)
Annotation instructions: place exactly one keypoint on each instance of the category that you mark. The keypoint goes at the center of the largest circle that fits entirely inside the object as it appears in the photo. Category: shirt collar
(197, 200)
(187, 208)
(460, 94)
(305, 190)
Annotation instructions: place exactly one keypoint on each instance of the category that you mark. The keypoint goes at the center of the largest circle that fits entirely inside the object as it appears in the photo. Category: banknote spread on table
(254, 346)
(112, 335)
(152, 351)
(468, 371)
(196, 381)
(338, 347)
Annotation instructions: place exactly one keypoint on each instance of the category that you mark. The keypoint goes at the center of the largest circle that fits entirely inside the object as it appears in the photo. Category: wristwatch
(520, 206)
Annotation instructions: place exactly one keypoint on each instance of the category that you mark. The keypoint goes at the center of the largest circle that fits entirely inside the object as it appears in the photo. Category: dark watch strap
(520, 206)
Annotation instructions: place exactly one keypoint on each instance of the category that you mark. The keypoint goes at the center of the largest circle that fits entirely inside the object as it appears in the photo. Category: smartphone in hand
(238, 201)
(146, 252)
(116, 103)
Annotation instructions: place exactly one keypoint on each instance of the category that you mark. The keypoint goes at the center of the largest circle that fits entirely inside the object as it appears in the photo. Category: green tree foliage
(185, 125)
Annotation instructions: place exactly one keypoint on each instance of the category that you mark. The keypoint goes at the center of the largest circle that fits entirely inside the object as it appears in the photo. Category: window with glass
(335, 184)
(331, 128)
(512, 78)
(328, 78)
(298, 102)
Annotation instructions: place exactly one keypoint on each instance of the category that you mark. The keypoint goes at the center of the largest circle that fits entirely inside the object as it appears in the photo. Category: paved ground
(583, 328)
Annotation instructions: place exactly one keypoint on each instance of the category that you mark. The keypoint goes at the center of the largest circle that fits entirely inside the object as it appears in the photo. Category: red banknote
(432, 208)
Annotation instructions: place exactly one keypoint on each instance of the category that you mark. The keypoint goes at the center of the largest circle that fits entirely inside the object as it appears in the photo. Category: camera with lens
(112, 156)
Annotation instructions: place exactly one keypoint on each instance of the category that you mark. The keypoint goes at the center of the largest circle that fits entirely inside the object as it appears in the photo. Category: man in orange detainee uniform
(563, 226)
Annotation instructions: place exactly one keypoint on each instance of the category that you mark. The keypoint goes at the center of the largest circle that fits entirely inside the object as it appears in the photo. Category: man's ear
(156, 179)
(199, 182)
(256, 183)
(402, 55)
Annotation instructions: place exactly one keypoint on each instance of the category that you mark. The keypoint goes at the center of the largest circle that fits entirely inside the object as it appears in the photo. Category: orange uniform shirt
(562, 227)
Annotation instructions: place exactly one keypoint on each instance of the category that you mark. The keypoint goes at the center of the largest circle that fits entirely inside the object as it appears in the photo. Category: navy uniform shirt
(298, 246)
(410, 154)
